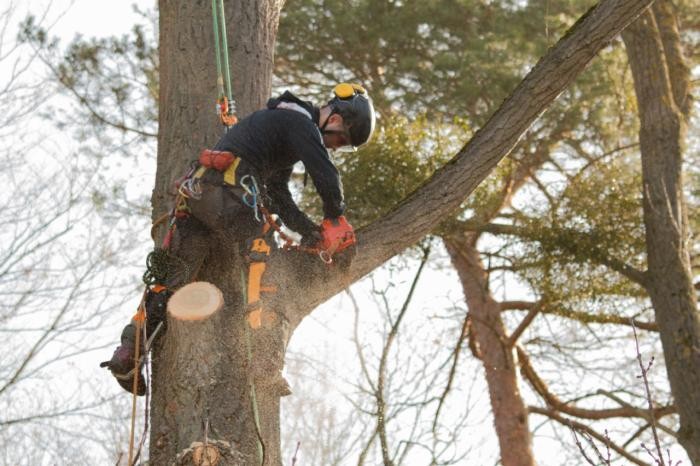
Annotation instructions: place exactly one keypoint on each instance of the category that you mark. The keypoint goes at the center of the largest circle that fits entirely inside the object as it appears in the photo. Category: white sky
(97, 18)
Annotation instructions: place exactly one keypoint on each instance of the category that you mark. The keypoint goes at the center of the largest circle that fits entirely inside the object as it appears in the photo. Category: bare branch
(581, 316)
(552, 400)
(584, 428)
(466, 325)
(379, 394)
(513, 338)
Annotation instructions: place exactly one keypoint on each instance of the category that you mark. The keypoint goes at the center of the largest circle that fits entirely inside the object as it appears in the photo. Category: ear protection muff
(352, 103)
(348, 90)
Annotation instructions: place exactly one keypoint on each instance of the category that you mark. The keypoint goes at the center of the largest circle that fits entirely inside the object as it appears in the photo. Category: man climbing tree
(233, 189)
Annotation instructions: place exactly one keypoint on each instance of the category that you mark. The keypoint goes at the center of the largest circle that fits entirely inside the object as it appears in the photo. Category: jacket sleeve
(282, 204)
(310, 150)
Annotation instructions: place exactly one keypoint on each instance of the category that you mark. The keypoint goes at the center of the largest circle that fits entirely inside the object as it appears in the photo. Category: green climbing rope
(221, 48)
(157, 267)
(253, 396)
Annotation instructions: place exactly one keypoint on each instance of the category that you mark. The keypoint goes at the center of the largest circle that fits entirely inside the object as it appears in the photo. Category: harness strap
(258, 253)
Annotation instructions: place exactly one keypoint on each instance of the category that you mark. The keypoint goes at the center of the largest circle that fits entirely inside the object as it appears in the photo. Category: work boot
(122, 363)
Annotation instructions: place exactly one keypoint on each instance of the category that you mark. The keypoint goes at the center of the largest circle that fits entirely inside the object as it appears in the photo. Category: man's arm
(282, 204)
(308, 146)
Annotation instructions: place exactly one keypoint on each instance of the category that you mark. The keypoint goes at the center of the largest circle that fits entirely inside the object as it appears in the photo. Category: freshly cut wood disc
(195, 301)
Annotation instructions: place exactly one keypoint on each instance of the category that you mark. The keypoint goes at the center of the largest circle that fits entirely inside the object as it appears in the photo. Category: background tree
(62, 253)
(662, 87)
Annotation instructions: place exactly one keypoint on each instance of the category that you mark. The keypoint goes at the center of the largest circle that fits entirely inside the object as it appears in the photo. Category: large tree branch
(440, 196)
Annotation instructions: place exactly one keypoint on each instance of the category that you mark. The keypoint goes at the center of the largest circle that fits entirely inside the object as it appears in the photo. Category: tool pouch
(216, 159)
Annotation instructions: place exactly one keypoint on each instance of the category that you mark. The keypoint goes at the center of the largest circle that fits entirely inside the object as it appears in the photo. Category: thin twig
(466, 325)
(294, 458)
(579, 445)
(581, 428)
(652, 420)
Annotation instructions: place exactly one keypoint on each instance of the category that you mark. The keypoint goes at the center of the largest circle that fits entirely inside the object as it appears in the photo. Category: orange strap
(257, 316)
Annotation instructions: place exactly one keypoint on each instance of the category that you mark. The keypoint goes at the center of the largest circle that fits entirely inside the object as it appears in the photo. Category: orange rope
(139, 318)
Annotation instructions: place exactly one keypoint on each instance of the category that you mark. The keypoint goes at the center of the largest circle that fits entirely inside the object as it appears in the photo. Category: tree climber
(248, 171)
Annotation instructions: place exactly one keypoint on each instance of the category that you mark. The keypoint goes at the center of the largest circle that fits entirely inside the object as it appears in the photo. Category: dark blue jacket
(271, 141)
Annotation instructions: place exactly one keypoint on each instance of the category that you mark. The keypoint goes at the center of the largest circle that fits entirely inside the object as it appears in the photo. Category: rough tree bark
(660, 99)
(187, 123)
(488, 332)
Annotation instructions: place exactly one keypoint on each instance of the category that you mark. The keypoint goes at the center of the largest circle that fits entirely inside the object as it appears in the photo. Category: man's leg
(189, 249)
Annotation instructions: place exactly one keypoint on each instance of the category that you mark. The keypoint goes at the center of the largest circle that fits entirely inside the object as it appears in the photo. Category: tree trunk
(209, 384)
(489, 334)
(669, 275)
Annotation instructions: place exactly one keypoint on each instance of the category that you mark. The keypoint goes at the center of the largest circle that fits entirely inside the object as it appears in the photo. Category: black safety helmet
(352, 102)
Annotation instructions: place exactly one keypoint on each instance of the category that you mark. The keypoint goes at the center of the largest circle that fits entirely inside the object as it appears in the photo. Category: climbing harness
(224, 104)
